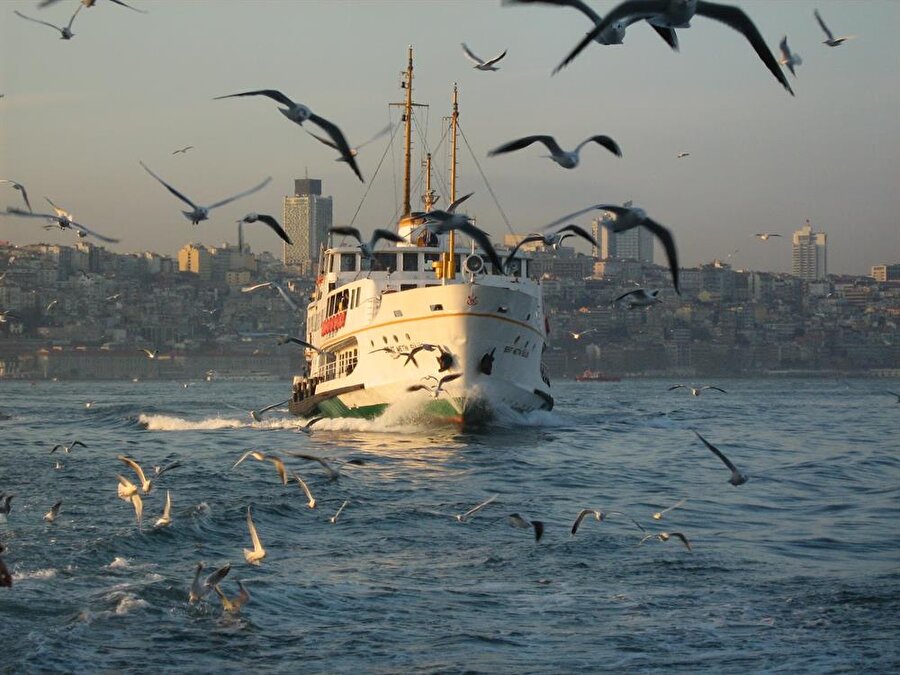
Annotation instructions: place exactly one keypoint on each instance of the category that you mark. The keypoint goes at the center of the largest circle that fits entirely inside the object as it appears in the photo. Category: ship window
(528, 318)
(395, 339)
(348, 262)
(408, 287)
(385, 261)
(431, 258)
(384, 337)
(372, 343)
(437, 308)
(397, 312)
(407, 337)
(458, 262)
(410, 262)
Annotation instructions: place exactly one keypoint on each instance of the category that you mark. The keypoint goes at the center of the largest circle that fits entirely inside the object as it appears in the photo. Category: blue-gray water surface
(797, 570)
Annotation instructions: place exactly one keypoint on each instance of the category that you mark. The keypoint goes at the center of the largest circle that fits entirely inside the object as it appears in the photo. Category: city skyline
(767, 163)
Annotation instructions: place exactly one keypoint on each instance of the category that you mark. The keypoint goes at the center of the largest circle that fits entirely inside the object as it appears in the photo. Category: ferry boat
(391, 328)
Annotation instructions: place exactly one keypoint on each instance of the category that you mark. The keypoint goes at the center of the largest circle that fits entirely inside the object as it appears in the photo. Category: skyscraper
(808, 258)
(306, 217)
(633, 244)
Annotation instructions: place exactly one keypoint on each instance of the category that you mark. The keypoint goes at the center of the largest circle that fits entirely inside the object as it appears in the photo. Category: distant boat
(597, 376)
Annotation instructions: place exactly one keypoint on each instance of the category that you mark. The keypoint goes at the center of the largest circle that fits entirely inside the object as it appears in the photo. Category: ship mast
(407, 141)
(450, 268)
(429, 196)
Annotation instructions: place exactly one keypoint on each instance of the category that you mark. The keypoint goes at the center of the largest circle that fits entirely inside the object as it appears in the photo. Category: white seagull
(67, 448)
(765, 236)
(146, 485)
(659, 514)
(20, 188)
(166, 518)
(366, 249)
(150, 355)
(65, 32)
(271, 222)
(553, 239)
(63, 222)
(736, 477)
(665, 536)
(480, 63)
(334, 518)
(831, 41)
(257, 553)
(566, 159)
(310, 500)
(299, 113)
(263, 457)
(183, 151)
(198, 214)
(50, 516)
(788, 58)
(578, 336)
(640, 298)
(463, 517)
(275, 285)
(600, 516)
(332, 472)
(695, 391)
(438, 387)
(682, 155)
(678, 14)
(200, 589)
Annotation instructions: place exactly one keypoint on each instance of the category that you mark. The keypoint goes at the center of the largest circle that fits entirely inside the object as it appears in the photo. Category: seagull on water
(600, 516)
(464, 517)
(353, 151)
(299, 113)
(515, 520)
(146, 485)
(310, 500)
(613, 34)
(334, 518)
(198, 214)
(788, 58)
(553, 239)
(272, 284)
(366, 249)
(627, 217)
(63, 222)
(65, 32)
(736, 477)
(665, 536)
(640, 298)
(233, 605)
(21, 189)
(438, 387)
(566, 159)
(831, 41)
(257, 553)
(678, 14)
(166, 518)
(695, 391)
(183, 150)
(66, 448)
(480, 63)
(50, 516)
(333, 472)
(199, 589)
(271, 222)
(263, 457)
(659, 514)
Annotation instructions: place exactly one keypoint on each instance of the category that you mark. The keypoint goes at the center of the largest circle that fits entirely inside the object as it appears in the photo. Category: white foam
(118, 563)
(130, 602)
(169, 423)
(45, 573)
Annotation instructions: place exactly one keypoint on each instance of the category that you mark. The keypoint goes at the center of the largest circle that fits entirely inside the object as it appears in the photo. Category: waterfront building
(633, 244)
(809, 255)
(307, 215)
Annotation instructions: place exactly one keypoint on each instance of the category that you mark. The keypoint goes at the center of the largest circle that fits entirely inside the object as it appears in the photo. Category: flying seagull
(233, 605)
(257, 553)
(332, 472)
(200, 589)
(263, 457)
(366, 249)
(566, 159)
(198, 214)
(736, 477)
(613, 34)
(441, 222)
(678, 14)
(67, 448)
(257, 414)
(310, 500)
(578, 336)
(278, 287)
(463, 517)
(20, 188)
(160, 470)
(682, 155)
(627, 217)
(91, 3)
(695, 391)
(599, 516)
(50, 516)
(788, 58)
(299, 113)
(63, 222)
(765, 236)
(166, 518)
(271, 222)
(353, 151)
(639, 298)
(150, 355)
(65, 32)
(553, 239)
(284, 339)
(438, 387)
(183, 150)
(146, 485)
(515, 520)
(659, 514)
(831, 41)
(334, 518)
(665, 536)
(480, 63)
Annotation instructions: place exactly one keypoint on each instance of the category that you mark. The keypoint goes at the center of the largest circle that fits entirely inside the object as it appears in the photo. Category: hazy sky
(78, 115)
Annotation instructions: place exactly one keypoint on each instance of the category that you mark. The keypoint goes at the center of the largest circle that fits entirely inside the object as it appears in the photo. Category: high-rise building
(197, 259)
(886, 272)
(633, 244)
(809, 259)
(306, 217)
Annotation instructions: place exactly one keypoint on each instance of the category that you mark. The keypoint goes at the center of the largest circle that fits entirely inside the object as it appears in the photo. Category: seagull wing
(524, 142)
(684, 539)
(273, 94)
(323, 140)
(481, 237)
(170, 188)
(385, 234)
(338, 137)
(667, 34)
(284, 296)
(71, 21)
(472, 56)
(718, 453)
(828, 33)
(346, 232)
(138, 505)
(256, 454)
(634, 292)
(680, 502)
(374, 138)
(494, 60)
(584, 234)
(135, 9)
(305, 488)
(476, 509)
(242, 598)
(448, 378)
(313, 458)
(276, 228)
(167, 509)
(274, 405)
(581, 516)
(668, 241)
(605, 141)
(716, 388)
(674, 386)
(279, 467)
(785, 50)
(569, 216)
(575, 4)
(256, 287)
(95, 235)
(216, 577)
(735, 18)
(451, 208)
(525, 240)
(18, 13)
(241, 194)
(640, 8)
(135, 466)
(254, 537)
(418, 387)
